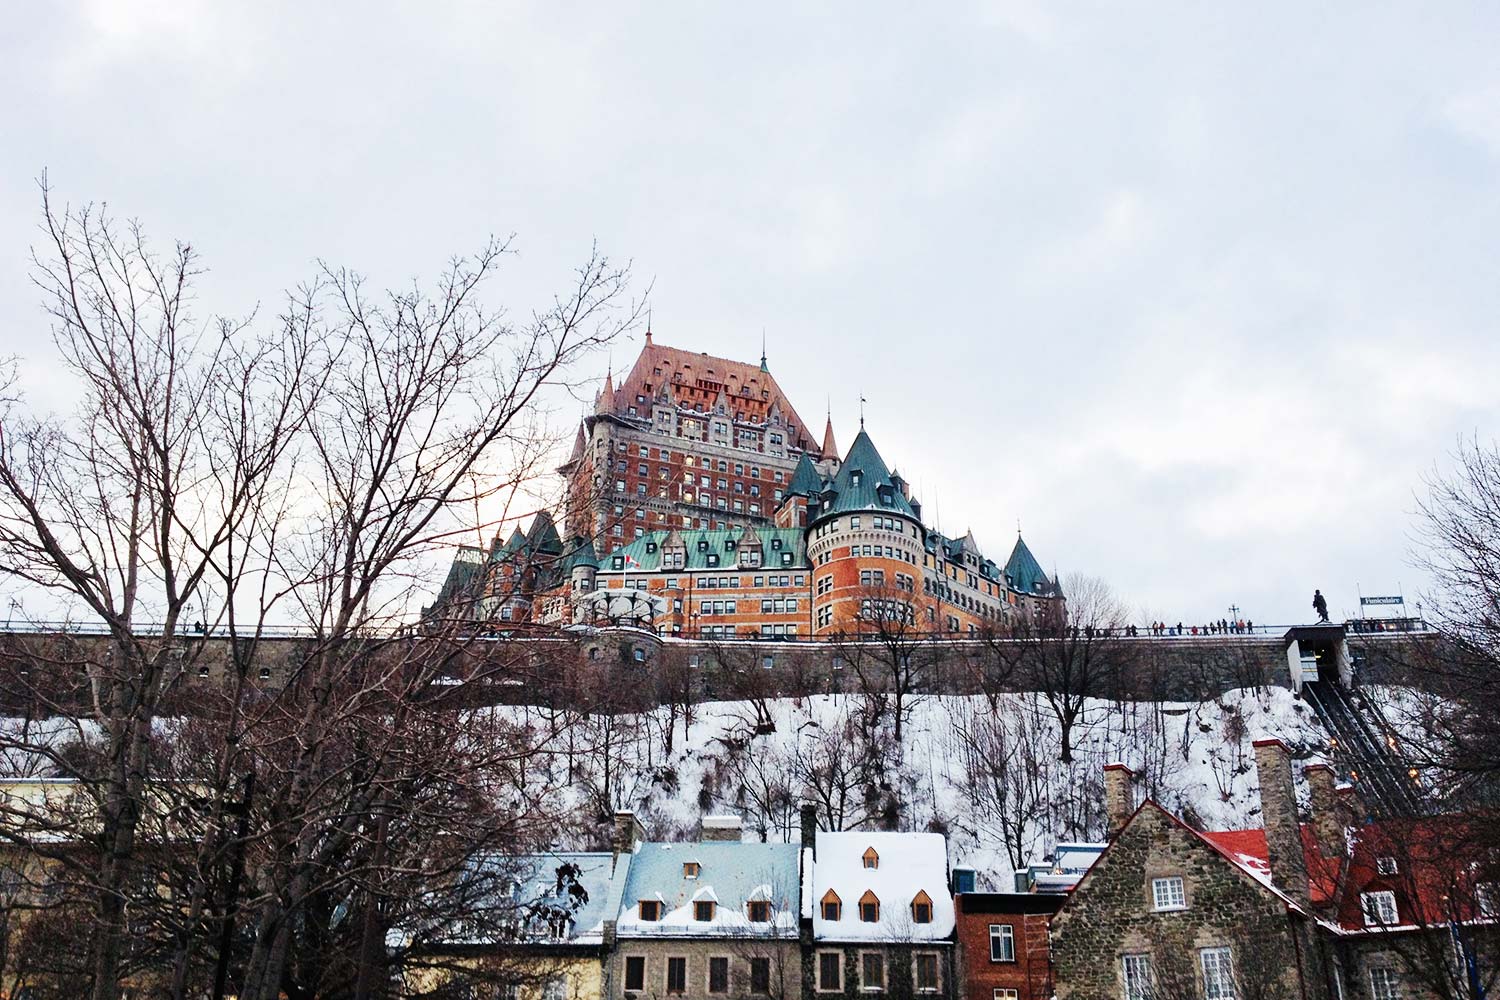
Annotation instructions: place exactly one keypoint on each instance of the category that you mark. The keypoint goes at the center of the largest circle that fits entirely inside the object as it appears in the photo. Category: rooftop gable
(864, 483)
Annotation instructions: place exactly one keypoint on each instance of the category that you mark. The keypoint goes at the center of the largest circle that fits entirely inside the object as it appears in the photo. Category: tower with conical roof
(865, 544)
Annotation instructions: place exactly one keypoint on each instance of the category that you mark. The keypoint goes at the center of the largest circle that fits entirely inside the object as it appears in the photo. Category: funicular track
(1364, 751)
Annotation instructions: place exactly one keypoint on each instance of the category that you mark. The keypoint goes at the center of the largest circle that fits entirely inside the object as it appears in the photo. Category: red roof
(1435, 864)
(1247, 848)
(749, 393)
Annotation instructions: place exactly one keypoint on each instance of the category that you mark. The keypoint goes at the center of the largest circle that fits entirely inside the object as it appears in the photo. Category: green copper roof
(644, 555)
(1024, 572)
(805, 481)
(580, 553)
(864, 483)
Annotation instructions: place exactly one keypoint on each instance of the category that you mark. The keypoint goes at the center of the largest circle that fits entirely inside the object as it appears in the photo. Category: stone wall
(1112, 914)
(783, 955)
(899, 962)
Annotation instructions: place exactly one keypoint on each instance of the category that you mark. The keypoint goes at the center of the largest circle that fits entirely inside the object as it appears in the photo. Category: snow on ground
(753, 759)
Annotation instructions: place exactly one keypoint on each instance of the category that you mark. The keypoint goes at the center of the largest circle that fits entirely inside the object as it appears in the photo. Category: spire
(763, 351)
(861, 412)
(606, 402)
(830, 448)
(805, 480)
(648, 326)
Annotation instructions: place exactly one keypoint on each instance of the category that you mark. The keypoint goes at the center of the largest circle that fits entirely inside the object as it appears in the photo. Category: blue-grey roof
(730, 874)
(863, 483)
(539, 886)
(644, 554)
(805, 480)
(1024, 573)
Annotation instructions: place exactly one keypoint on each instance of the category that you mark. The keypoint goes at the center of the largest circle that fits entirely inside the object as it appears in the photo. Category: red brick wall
(1028, 975)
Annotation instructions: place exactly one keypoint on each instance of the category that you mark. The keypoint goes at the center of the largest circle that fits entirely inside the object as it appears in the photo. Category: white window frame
(1169, 893)
(1136, 976)
(1217, 965)
(1385, 865)
(1005, 934)
(1375, 905)
(1384, 983)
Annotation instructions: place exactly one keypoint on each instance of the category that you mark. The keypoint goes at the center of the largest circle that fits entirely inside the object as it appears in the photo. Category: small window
(1218, 973)
(871, 859)
(690, 869)
(759, 911)
(677, 974)
(1004, 994)
(635, 973)
(1379, 908)
(650, 909)
(1002, 943)
(1135, 973)
(869, 908)
(703, 910)
(925, 972)
(830, 972)
(1384, 984)
(921, 908)
(1169, 893)
(760, 975)
(832, 906)
(871, 972)
(1385, 866)
(718, 974)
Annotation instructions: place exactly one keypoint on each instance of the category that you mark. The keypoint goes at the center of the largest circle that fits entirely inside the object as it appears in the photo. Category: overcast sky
(1197, 294)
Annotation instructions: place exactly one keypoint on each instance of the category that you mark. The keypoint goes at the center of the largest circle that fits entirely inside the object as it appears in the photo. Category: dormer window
(869, 908)
(759, 911)
(871, 859)
(921, 908)
(854, 478)
(690, 869)
(650, 909)
(703, 910)
(1385, 866)
(831, 906)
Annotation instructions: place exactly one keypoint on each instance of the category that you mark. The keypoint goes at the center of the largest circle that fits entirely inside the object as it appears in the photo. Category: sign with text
(1381, 600)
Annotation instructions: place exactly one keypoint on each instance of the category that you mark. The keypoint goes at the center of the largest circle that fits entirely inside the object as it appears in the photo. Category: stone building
(1341, 907)
(715, 918)
(881, 915)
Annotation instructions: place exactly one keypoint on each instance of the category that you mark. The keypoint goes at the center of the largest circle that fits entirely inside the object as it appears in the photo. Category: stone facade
(898, 971)
(1113, 913)
(780, 960)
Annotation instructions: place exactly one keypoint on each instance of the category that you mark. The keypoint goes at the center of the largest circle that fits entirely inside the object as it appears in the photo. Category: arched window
(869, 908)
(921, 908)
(872, 860)
(832, 906)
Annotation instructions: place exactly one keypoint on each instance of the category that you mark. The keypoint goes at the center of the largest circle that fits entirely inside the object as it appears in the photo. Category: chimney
(1327, 811)
(1278, 807)
(810, 827)
(628, 832)
(727, 828)
(1119, 797)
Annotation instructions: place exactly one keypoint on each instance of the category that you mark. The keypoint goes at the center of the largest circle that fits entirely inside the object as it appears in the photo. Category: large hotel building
(700, 503)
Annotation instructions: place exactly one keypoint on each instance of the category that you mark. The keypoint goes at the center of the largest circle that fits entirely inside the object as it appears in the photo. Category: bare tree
(214, 480)
(1067, 662)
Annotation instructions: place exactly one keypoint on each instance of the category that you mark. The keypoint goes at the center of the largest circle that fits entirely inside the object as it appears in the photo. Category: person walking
(1320, 605)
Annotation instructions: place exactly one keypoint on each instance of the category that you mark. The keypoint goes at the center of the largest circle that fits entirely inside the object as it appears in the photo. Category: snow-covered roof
(909, 864)
(729, 874)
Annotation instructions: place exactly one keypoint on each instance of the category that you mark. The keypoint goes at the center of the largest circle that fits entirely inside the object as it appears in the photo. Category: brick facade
(1003, 945)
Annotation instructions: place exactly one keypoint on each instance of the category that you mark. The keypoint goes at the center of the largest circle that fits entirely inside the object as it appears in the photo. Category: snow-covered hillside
(990, 774)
